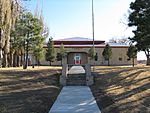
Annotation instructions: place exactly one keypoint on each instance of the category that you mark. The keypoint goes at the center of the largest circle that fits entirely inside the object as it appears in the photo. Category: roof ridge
(74, 39)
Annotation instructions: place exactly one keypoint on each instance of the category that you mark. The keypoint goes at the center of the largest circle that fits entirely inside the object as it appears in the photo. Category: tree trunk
(8, 60)
(24, 60)
(11, 59)
(38, 62)
(21, 60)
(5, 61)
(14, 60)
(108, 63)
(50, 63)
(27, 54)
(147, 53)
(148, 61)
(133, 62)
(0, 57)
(18, 61)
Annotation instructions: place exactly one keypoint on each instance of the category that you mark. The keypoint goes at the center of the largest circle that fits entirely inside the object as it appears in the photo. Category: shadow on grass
(34, 101)
(122, 90)
(28, 91)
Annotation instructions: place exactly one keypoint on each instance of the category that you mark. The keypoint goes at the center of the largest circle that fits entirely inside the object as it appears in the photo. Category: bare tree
(9, 11)
(122, 40)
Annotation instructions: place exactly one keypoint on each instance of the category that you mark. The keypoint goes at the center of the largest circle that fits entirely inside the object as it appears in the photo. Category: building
(77, 52)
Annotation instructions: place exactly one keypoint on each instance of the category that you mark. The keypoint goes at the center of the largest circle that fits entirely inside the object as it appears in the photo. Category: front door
(77, 58)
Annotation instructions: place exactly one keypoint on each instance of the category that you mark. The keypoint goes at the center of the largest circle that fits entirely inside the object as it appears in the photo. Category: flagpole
(93, 23)
(93, 29)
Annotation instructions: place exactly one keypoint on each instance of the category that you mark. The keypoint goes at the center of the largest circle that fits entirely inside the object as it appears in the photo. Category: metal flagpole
(93, 31)
(93, 22)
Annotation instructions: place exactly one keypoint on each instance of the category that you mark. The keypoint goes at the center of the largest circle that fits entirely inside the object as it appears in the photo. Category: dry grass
(28, 91)
(30, 68)
(122, 89)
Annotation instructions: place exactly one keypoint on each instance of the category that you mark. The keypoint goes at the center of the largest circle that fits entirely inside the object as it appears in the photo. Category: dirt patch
(122, 89)
(28, 91)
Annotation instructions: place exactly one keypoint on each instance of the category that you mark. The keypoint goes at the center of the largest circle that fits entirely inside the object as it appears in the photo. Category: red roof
(80, 42)
(77, 41)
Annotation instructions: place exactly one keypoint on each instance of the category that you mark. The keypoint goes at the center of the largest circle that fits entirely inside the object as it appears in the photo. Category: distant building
(77, 52)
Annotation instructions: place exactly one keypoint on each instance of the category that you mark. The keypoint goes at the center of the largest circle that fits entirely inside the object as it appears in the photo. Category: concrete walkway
(75, 99)
(76, 70)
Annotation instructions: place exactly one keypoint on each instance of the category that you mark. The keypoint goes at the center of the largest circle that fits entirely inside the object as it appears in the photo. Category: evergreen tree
(27, 37)
(62, 52)
(132, 53)
(33, 30)
(107, 53)
(42, 34)
(19, 32)
(59, 57)
(50, 52)
(92, 53)
(38, 49)
(18, 36)
(140, 19)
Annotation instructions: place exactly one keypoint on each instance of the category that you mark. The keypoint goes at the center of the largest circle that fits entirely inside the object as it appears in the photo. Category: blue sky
(72, 18)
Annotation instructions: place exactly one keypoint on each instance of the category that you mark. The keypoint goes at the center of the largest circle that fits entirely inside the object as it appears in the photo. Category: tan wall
(119, 57)
(116, 54)
(70, 58)
(84, 58)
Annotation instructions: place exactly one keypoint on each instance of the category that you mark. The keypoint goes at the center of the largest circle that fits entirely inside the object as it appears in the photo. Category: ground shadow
(28, 91)
(122, 90)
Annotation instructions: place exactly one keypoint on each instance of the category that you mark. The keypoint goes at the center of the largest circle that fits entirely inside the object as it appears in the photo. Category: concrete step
(75, 77)
(76, 80)
(82, 74)
(79, 79)
(76, 84)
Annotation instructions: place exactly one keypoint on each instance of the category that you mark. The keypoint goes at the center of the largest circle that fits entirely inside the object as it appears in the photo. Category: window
(128, 59)
(120, 59)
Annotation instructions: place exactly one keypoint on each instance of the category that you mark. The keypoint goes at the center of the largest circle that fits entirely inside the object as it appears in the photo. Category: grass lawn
(28, 91)
(122, 89)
